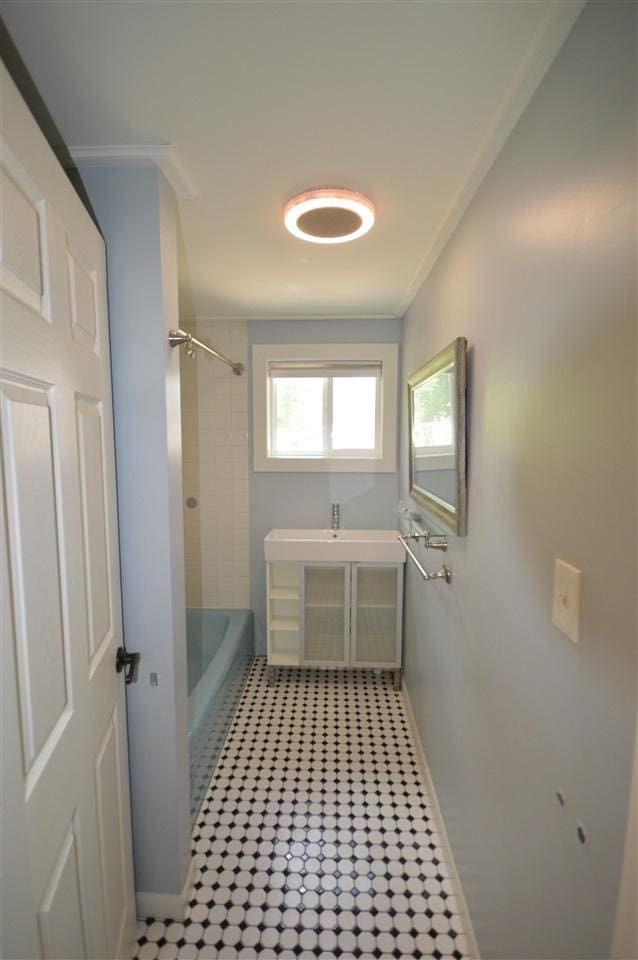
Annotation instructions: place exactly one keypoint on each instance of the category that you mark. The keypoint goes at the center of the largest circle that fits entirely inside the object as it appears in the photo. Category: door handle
(129, 662)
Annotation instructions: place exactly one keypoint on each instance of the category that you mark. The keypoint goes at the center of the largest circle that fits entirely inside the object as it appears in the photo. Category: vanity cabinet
(328, 614)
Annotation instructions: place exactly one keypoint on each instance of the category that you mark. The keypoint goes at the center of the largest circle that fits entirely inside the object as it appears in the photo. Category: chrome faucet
(335, 516)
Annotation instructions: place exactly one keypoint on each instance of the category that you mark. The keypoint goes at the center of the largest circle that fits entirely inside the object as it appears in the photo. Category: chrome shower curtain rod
(179, 338)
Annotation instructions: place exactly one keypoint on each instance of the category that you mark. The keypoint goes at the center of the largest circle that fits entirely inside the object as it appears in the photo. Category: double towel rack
(431, 541)
(179, 338)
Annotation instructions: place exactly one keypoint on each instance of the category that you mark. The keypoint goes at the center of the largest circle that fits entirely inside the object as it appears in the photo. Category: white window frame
(387, 354)
(437, 458)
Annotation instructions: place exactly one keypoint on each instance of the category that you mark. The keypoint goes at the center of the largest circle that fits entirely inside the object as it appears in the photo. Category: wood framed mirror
(437, 418)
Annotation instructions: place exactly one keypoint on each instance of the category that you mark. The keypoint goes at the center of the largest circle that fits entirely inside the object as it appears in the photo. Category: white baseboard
(468, 929)
(166, 906)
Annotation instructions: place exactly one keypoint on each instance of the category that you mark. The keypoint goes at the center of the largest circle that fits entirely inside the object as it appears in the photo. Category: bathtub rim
(207, 687)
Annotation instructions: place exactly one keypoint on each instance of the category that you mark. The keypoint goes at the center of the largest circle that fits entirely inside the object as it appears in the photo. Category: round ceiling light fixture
(329, 215)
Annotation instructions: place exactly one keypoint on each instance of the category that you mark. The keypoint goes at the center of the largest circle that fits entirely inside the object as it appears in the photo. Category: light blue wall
(292, 500)
(136, 211)
(540, 276)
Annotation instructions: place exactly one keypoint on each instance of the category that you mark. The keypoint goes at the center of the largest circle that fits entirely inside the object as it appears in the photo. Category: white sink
(373, 546)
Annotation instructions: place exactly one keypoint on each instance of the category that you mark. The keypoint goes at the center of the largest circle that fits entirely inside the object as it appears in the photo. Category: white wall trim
(625, 936)
(468, 929)
(543, 48)
(293, 318)
(166, 906)
(161, 155)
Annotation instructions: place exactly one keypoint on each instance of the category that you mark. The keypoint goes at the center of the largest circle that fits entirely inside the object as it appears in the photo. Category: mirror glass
(436, 396)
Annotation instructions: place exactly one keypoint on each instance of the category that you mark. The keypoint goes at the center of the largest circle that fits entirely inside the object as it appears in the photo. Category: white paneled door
(67, 877)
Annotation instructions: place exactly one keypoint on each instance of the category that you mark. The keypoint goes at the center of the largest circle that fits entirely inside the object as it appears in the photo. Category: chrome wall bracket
(443, 574)
(416, 531)
(431, 541)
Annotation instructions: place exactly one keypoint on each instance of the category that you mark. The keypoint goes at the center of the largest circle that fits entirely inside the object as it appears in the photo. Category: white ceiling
(407, 102)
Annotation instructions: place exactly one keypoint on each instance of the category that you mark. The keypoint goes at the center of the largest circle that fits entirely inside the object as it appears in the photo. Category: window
(324, 410)
(325, 407)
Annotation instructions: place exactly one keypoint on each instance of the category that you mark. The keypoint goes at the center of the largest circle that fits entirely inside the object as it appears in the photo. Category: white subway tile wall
(215, 468)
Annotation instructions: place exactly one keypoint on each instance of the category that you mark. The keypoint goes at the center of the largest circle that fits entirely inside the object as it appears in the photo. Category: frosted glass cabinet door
(376, 615)
(326, 614)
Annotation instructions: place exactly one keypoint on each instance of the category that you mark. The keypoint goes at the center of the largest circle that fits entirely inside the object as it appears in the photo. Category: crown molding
(160, 155)
(543, 48)
(259, 317)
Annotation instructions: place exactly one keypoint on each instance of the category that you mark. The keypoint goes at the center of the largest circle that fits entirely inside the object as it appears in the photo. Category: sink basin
(373, 546)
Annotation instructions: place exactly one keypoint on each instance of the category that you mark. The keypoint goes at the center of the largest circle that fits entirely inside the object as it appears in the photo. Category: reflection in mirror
(436, 395)
(433, 435)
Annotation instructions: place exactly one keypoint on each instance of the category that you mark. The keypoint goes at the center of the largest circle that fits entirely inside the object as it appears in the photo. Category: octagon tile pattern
(316, 838)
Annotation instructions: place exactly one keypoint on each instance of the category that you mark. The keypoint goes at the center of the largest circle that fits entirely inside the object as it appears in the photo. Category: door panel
(96, 558)
(20, 937)
(65, 830)
(61, 917)
(108, 788)
(83, 302)
(21, 253)
(33, 506)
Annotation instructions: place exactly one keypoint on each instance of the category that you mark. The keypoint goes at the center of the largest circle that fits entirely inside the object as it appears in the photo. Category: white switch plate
(567, 594)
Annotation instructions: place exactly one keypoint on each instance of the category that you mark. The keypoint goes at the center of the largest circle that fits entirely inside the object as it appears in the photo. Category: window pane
(298, 416)
(354, 410)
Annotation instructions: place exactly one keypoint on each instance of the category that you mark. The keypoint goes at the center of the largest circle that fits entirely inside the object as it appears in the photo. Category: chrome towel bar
(443, 574)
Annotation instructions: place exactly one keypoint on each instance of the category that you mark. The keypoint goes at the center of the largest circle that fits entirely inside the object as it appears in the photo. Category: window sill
(324, 465)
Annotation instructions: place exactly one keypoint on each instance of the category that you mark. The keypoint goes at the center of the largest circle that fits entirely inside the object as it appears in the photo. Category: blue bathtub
(219, 646)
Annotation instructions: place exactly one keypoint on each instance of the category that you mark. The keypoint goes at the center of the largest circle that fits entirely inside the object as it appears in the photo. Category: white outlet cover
(567, 597)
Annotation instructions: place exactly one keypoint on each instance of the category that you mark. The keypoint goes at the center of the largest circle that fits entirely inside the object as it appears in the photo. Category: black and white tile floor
(316, 838)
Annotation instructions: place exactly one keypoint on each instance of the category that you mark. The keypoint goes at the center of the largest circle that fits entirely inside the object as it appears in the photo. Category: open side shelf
(284, 593)
(284, 658)
(284, 623)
